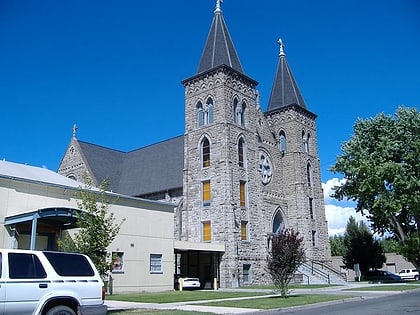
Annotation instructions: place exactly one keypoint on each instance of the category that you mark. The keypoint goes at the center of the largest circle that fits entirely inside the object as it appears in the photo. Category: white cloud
(338, 212)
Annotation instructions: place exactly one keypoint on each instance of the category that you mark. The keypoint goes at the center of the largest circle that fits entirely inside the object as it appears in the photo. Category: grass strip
(279, 302)
(386, 287)
(179, 296)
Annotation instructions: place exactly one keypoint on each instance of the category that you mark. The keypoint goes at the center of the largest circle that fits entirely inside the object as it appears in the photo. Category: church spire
(219, 48)
(285, 91)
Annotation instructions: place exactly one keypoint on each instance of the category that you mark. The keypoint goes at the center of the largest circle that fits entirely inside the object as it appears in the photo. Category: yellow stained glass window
(205, 145)
(242, 201)
(206, 231)
(243, 230)
(206, 193)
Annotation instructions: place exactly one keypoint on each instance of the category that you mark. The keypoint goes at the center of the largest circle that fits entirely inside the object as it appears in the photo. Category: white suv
(409, 274)
(49, 283)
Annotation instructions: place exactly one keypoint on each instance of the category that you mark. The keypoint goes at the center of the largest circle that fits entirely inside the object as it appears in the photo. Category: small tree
(337, 245)
(361, 248)
(285, 257)
(96, 226)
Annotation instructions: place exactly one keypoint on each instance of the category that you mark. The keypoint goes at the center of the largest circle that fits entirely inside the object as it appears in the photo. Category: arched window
(235, 110)
(243, 107)
(205, 152)
(205, 112)
(306, 143)
(200, 114)
(278, 223)
(309, 173)
(303, 141)
(209, 111)
(241, 152)
(282, 141)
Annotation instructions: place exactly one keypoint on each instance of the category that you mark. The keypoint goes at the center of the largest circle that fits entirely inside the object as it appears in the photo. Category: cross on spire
(218, 6)
(280, 42)
(74, 130)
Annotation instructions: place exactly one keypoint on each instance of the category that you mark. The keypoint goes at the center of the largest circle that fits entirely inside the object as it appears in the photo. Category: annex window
(241, 152)
(309, 174)
(244, 230)
(206, 192)
(242, 194)
(246, 271)
(118, 264)
(282, 141)
(205, 152)
(156, 263)
(206, 231)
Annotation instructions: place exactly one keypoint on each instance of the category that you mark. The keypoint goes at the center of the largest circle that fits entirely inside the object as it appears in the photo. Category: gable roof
(154, 168)
(219, 48)
(285, 91)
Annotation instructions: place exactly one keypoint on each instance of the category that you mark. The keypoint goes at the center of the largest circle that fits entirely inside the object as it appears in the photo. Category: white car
(49, 283)
(409, 274)
(188, 283)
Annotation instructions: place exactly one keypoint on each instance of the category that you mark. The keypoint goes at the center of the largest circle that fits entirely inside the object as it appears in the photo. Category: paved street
(363, 303)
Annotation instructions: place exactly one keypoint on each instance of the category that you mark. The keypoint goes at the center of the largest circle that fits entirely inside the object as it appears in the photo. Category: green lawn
(179, 296)
(279, 302)
(257, 303)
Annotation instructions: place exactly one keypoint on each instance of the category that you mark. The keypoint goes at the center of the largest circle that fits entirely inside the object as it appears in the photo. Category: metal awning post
(33, 231)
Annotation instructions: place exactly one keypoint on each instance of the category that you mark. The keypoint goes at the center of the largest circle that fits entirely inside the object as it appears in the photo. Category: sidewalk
(192, 305)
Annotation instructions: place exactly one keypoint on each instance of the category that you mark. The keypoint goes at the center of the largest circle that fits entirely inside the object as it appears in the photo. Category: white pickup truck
(49, 283)
(409, 274)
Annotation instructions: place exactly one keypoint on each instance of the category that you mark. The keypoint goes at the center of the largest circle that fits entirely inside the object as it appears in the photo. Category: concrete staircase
(315, 272)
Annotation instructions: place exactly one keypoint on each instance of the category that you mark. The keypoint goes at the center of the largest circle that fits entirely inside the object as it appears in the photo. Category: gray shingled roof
(219, 49)
(285, 91)
(155, 168)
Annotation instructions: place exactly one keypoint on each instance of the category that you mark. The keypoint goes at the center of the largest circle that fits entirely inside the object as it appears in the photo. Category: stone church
(238, 174)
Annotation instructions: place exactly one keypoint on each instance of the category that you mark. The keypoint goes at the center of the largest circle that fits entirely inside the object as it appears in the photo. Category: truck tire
(61, 310)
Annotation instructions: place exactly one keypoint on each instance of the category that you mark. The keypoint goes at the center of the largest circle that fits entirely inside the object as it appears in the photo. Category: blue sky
(114, 67)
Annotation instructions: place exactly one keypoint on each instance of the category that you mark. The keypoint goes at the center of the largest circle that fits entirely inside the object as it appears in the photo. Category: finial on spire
(280, 42)
(74, 130)
(218, 7)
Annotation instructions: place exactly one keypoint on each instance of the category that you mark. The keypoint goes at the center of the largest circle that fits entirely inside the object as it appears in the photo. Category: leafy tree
(96, 226)
(381, 166)
(285, 257)
(361, 248)
(337, 245)
(389, 245)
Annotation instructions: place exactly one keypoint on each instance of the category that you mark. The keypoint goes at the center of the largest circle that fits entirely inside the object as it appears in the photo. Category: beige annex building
(37, 205)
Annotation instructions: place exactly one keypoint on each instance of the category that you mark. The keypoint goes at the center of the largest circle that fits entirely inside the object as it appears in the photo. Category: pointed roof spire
(219, 48)
(285, 90)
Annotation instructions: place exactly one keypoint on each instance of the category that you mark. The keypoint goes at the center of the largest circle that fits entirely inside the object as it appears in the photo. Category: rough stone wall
(73, 165)
(225, 175)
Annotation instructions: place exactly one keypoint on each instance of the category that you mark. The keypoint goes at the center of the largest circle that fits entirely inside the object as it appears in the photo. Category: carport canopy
(59, 217)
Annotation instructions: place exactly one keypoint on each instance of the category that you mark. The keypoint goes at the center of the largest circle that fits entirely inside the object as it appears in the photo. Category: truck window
(70, 264)
(25, 266)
